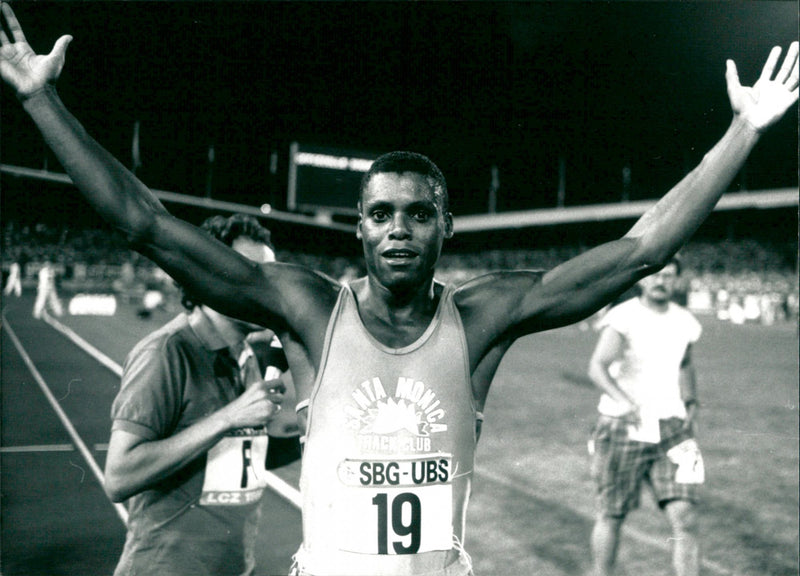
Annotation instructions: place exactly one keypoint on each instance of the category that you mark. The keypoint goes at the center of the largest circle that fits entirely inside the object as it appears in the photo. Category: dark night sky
(471, 84)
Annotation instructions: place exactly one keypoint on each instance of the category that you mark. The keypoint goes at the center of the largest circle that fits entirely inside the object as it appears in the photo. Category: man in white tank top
(403, 222)
(644, 434)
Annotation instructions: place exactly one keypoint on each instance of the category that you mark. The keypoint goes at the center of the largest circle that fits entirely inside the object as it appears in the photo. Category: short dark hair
(403, 161)
(227, 230)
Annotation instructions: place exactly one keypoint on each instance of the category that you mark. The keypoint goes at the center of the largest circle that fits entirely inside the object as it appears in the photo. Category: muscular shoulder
(495, 304)
(506, 285)
(301, 286)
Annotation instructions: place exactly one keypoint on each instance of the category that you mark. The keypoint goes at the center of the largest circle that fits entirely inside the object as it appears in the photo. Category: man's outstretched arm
(216, 274)
(582, 285)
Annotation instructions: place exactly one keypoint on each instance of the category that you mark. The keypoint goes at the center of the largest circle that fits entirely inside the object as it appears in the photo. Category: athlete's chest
(394, 402)
(396, 331)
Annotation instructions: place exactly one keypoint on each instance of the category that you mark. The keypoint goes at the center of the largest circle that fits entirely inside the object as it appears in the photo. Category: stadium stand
(742, 280)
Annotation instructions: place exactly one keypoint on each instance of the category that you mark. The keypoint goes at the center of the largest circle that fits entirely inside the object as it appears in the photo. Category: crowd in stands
(737, 280)
(93, 255)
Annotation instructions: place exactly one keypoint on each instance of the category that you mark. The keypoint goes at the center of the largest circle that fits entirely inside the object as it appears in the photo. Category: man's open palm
(20, 66)
(769, 98)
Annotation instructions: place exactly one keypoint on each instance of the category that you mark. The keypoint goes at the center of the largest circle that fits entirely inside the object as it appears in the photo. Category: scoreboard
(324, 179)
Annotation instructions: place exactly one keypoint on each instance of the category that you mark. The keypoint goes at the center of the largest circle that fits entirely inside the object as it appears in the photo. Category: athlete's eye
(422, 215)
(379, 215)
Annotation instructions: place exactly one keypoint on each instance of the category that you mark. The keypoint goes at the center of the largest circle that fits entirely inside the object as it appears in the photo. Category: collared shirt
(189, 523)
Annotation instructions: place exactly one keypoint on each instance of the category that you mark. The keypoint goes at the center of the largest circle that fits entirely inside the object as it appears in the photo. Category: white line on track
(278, 485)
(48, 448)
(88, 348)
(37, 448)
(76, 439)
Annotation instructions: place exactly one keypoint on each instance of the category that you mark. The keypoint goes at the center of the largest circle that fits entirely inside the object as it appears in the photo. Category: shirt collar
(204, 329)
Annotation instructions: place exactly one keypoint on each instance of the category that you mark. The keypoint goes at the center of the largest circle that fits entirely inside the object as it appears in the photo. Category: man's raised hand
(767, 100)
(24, 70)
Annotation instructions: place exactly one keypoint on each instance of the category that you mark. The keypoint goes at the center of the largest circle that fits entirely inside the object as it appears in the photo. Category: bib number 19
(406, 520)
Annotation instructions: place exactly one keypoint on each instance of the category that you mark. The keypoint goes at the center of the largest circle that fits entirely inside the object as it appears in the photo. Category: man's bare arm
(609, 348)
(663, 229)
(525, 303)
(135, 464)
(687, 381)
(216, 274)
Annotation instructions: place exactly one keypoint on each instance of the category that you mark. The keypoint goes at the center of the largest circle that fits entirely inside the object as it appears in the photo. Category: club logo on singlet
(398, 420)
(396, 493)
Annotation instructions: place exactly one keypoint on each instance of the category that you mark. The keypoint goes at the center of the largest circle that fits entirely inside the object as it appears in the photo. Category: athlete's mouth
(399, 254)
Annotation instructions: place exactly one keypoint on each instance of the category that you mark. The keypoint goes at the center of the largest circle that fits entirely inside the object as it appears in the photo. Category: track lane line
(37, 448)
(73, 433)
(88, 348)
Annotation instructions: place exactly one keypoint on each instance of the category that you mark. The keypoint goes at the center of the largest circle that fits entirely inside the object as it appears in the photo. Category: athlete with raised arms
(396, 366)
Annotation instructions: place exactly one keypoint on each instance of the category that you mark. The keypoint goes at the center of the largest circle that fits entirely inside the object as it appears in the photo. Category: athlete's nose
(400, 228)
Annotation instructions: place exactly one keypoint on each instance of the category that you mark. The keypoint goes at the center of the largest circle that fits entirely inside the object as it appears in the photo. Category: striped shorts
(673, 468)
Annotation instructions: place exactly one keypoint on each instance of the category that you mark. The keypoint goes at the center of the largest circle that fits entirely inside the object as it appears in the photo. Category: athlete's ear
(448, 225)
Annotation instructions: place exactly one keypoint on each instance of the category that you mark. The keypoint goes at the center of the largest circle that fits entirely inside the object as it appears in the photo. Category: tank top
(390, 448)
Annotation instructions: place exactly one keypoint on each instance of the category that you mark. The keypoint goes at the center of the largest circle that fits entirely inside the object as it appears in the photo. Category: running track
(55, 519)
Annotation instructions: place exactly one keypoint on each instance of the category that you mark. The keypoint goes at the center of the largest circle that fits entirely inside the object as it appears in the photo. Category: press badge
(235, 472)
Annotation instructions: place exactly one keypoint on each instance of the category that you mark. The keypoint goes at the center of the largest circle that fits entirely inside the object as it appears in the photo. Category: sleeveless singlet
(390, 447)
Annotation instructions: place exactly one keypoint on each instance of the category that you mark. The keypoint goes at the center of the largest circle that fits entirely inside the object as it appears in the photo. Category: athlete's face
(402, 228)
(658, 288)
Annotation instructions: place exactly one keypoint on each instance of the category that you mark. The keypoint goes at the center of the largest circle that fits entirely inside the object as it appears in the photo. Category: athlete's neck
(415, 298)
(396, 319)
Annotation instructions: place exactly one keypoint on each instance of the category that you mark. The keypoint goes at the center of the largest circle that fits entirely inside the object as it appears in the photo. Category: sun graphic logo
(390, 417)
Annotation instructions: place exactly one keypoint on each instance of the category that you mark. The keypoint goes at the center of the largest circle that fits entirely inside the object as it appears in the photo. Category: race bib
(690, 462)
(396, 506)
(235, 472)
